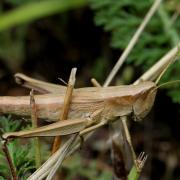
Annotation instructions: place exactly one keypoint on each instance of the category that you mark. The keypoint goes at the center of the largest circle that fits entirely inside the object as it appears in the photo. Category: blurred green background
(46, 38)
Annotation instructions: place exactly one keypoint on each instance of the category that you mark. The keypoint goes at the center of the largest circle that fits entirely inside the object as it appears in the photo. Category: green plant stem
(136, 169)
(168, 27)
(134, 174)
(36, 10)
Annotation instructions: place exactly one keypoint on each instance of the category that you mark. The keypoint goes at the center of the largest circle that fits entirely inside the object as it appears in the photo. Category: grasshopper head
(144, 103)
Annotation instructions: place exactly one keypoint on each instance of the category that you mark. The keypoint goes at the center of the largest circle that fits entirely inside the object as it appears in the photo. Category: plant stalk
(66, 105)
(8, 157)
(35, 125)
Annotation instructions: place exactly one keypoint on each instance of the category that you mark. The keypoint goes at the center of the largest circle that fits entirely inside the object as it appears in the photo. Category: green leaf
(36, 10)
(23, 158)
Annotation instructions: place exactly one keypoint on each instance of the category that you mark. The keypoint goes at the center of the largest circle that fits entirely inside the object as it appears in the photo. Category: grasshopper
(90, 108)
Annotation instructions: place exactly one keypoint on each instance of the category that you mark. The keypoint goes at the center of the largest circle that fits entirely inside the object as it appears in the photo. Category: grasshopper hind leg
(89, 129)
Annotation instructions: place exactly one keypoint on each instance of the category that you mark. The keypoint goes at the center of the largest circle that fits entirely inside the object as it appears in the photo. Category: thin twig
(8, 157)
(95, 83)
(132, 42)
(66, 105)
(35, 125)
(49, 165)
(61, 158)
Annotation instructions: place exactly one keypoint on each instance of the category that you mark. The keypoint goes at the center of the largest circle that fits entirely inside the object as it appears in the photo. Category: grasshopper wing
(41, 86)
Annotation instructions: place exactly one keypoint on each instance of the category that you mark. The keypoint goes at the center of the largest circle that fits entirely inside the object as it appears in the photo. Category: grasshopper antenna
(166, 83)
(64, 82)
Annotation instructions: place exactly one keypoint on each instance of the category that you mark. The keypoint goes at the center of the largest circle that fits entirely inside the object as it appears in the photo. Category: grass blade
(37, 10)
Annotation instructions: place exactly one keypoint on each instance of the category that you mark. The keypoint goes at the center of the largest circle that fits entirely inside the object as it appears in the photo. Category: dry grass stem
(61, 157)
(50, 164)
(95, 83)
(158, 67)
(132, 42)
(35, 125)
(66, 105)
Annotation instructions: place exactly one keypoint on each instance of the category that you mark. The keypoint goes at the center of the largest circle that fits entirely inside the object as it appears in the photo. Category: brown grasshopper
(90, 108)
